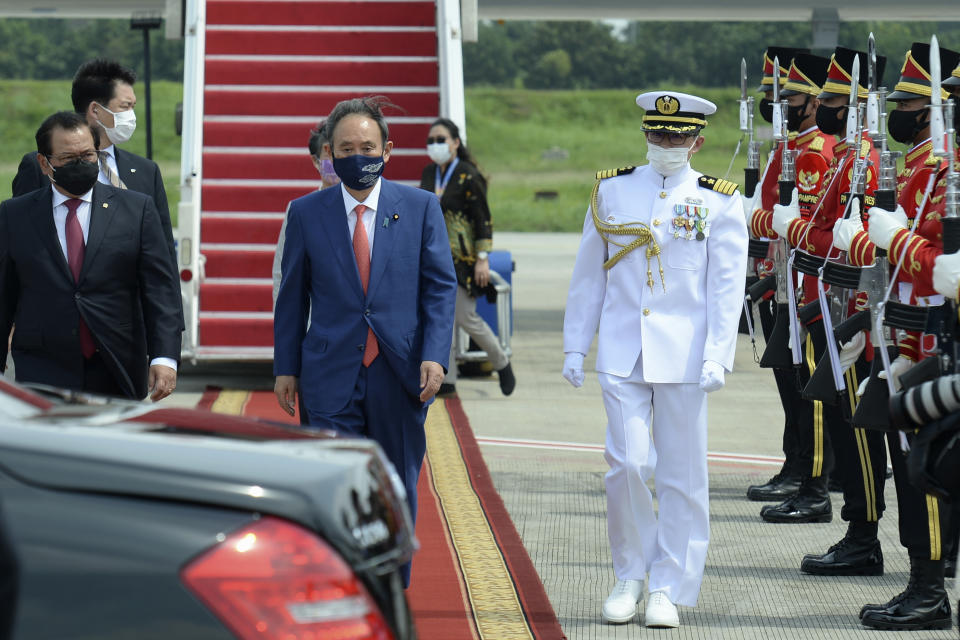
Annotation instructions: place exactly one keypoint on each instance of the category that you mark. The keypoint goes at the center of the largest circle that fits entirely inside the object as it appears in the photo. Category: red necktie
(361, 250)
(75, 252)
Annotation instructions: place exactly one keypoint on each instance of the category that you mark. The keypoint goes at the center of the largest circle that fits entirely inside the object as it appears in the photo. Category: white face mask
(439, 152)
(124, 124)
(667, 161)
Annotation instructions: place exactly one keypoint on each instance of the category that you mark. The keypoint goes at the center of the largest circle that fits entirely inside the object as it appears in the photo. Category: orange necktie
(361, 251)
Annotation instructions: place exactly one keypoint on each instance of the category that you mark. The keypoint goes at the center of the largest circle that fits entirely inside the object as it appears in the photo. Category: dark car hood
(341, 488)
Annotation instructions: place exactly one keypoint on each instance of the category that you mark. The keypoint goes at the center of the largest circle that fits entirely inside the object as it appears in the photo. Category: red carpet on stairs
(272, 69)
(472, 577)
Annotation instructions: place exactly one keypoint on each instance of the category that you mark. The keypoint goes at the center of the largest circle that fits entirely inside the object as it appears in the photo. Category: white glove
(850, 351)
(573, 368)
(883, 224)
(782, 215)
(711, 376)
(863, 385)
(897, 368)
(846, 228)
(946, 274)
(749, 204)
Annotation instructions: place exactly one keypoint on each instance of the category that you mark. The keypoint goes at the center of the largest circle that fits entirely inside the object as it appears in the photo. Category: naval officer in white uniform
(660, 274)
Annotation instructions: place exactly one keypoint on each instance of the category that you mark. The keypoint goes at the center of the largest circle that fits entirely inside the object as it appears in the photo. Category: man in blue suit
(371, 262)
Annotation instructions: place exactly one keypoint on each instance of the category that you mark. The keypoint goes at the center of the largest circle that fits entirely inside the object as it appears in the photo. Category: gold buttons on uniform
(646, 312)
(663, 194)
(656, 222)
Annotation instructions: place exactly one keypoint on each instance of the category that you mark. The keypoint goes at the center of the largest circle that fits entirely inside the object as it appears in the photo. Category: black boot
(507, 381)
(811, 503)
(924, 604)
(857, 554)
(778, 488)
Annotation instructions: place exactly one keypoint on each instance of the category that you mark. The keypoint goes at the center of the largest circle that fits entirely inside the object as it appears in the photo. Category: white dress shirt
(369, 216)
(83, 215)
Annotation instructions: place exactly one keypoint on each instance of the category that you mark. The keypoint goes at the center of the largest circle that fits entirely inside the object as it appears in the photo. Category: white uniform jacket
(696, 316)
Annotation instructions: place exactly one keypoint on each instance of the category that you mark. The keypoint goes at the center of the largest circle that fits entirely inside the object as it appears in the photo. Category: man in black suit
(103, 93)
(86, 276)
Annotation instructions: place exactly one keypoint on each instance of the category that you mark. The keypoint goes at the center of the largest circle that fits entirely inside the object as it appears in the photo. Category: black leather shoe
(924, 604)
(778, 488)
(446, 390)
(507, 381)
(857, 554)
(810, 504)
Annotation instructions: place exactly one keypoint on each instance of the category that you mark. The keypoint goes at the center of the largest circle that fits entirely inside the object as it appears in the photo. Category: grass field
(508, 132)
(25, 103)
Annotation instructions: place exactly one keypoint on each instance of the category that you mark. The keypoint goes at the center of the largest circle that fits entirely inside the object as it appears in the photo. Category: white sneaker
(621, 605)
(661, 612)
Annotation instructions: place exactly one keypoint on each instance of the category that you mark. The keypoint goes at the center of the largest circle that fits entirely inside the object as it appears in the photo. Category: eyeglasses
(436, 139)
(89, 156)
(656, 137)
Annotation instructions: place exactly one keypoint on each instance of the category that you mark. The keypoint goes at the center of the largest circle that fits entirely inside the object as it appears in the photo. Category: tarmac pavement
(544, 448)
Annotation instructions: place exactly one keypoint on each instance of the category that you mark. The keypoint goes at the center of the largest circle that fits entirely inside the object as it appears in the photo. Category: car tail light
(275, 580)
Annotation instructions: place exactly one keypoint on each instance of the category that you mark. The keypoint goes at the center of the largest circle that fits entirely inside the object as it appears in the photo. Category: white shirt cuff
(167, 362)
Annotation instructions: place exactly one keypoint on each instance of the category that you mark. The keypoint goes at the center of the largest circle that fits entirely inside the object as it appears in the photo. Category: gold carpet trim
(231, 402)
(496, 607)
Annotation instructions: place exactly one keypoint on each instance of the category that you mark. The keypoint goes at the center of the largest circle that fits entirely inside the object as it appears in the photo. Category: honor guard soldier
(659, 275)
(787, 480)
(815, 151)
(923, 518)
(830, 445)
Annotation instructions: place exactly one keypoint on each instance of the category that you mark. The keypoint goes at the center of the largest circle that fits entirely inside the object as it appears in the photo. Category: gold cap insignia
(667, 105)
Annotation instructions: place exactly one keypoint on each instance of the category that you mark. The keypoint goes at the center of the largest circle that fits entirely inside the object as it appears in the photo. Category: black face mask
(77, 177)
(766, 109)
(904, 125)
(796, 115)
(830, 120)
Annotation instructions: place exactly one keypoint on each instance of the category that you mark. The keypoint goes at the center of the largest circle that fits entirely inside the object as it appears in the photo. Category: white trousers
(657, 430)
(466, 317)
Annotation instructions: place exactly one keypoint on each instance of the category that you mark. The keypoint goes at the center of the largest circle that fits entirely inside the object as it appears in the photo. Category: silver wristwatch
(482, 255)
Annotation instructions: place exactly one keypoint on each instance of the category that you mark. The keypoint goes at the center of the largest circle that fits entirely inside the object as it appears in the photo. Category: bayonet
(744, 114)
(873, 104)
(936, 101)
(852, 104)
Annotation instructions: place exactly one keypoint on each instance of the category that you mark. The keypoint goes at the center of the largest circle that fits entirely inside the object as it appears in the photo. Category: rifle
(843, 277)
(777, 354)
(757, 247)
(943, 148)
(941, 320)
(872, 410)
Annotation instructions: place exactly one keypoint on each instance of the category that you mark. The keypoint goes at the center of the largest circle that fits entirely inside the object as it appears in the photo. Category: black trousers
(98, 378)
(924, 520)
(787, 388)
(856, 457)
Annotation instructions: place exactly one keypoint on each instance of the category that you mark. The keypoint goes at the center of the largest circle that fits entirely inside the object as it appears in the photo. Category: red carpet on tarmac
(472, 578)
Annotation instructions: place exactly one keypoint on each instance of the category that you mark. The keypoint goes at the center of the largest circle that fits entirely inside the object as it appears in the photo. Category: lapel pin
(133, 170)
(105, 205)
(396, 217)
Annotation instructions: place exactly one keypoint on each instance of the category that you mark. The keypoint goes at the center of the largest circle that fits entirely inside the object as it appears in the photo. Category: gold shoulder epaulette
(718, 184)
(816, 144)
(931, 160)
(611, 173)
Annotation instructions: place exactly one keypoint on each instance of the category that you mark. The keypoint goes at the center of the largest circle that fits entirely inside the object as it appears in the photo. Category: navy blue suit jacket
(409, 301)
